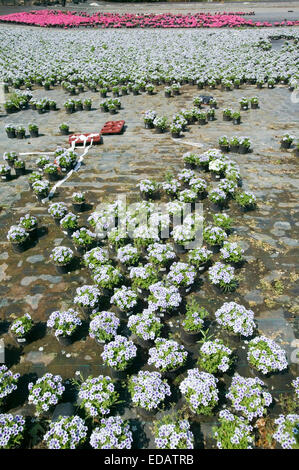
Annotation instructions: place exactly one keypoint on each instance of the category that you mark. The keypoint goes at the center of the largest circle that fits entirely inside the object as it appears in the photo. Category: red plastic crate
(95, 137)
(113, 127)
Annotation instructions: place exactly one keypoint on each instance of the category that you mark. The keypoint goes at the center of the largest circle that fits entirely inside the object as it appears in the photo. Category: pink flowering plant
(119, 353)
(200, 391)
(68, 432)
(167, 355)
(248, 397)
(148, 390)
(45, 393)
(103, 326)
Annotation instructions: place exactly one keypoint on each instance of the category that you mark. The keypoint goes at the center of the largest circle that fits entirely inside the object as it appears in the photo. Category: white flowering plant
(188, 195)
(8, 382)
(234, 432)
(222, 220)
(17, 234)
(58, 210)
(97, 395)
(199, 256)
(266, 355)
(223, 276)
(248, 397)
(107, 276)
(218, 196)
(287, 431)
(95, 257)
(64, 323)
(124, 298)
(68, 432)
(22, 326)
(128, 255)
(246, 200)
(164, 298)
(83, 237)
(143, 276)
(46, 392)
(295, 385)
(12, 428)
(147, 325)
(231, 252)
(144, 235)
(113, 433)
(167, 355)
(186, 175)
(69, 221)
(198, 185)
(200, 391)
(173, 433)
(215, 357)
(214, 235)
(28, 222)
(61, 255)
(194, 317)
(41, 187)
(148, 390)
(119, 353)
(148, 187)
(117, 237)
(87, 296)
(181, 274)
(236, 318)
(103, 326)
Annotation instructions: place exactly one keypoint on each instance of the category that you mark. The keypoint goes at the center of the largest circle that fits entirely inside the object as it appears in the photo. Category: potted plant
(69, 106)
(64, 129)
(30, 224)
(254, 102)
(42, 161)
(197, 101)
(167, 92)
(8, 382)
(211, 114)
(160, 123)
(202, 118)
(128, 255)
(64, 325)
(232, 253)
(246, 200)
(223, 143)
(104, 106)
(227, 114)
(172, 432)
(149, 117)
(223, 276)
(200, 257)
(64, 161)
(78, 201)
(148, 188)
(200, 391)
(222, 220)
(21, 328)
(248, 397)
(260, 82)
(88, 298)
(119, 355)
(135, 89)
(52, 105)
(103, 326)
(45, 393)
(244, 145)
(125, 299)
(78, 105)
(191, 326)
(97, 395)
(69, 223)
(58, 210)
(20, 167)
(18, 237)
(215, 357)
(62, 257)
(161, 254)
(145, 327)
(112, 108)
(236, 319)
(237, 83)
(175, 88)
(33, 130)
(51, 171)
(236, 117)
(218, 198)
(271, 83)
(175, 129)
(244, 103)
(234, 144)
(287, 431)
(107, 277)
(41, 188)
(148, 390)
(68, 432)
(12, 430)
(286, 141)
(231, 426)
(266, 356)
(83, 240)
(181, 275)
(167, 356)
(10, 158)
(150, 89)
(20, 132)
(112, 433)
(10, 131)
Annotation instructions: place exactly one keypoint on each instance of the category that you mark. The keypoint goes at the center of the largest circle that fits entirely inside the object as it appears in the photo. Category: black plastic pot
(254, 105)
(243, 149)
(226, 118)
(236, 121)
(20, 171)
(118, 374)
(171, 374)
(167, 94)
(149, 125)
(63, 269)
(145, 344)
(65, 340)
(189, 337)
(52, 176)
(64, 131)
(20, 135)
(11, 134)
(285, 144)
(33, 233)
(87, 107)
(175, 135)
(234, 148)
(33, 133)
(144, 413)
(19, 247)
(224, 148)
(5, 177)
(78, 206)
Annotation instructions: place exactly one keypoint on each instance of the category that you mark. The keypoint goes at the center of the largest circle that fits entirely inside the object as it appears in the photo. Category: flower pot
(149, 125)
(69, 110)
(243, 149)
(145, 344)
(144, 413)
(5, 177)
(179, 249)
(52, 177)
(41, 196)
(189, 337)
(118, 374)
(64, 131)
(81, 250)
(285, 144)
(167, 94)
(234, 148)
(254, 105)
(175, 135)
(65, 340)
(53, 107)
(224, 148)
(244, 107)
(11, 134)
(33, 133)
(159, 130)
(236, 121)
(184, 290)
(33, 233)
(20, 171)
(63, 269)
(171, 374)
(57, 221)
(19, 247)
(226, 118)
(20, 135)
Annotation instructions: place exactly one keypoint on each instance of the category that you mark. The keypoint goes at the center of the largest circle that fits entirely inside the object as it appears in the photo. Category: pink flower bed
(54, 18)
